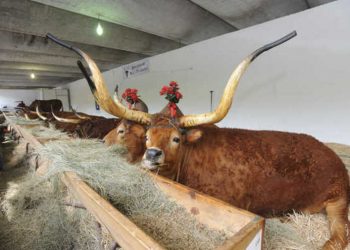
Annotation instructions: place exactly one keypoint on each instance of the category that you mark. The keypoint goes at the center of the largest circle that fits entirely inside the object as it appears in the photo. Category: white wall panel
(8, 97)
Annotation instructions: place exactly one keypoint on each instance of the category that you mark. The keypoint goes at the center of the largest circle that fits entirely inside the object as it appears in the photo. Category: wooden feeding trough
(212, 212)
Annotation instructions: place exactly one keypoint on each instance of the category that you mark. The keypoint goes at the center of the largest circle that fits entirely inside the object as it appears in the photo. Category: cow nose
(152, 153)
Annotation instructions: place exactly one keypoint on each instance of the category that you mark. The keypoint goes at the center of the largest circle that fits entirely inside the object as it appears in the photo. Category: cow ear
(193, 135)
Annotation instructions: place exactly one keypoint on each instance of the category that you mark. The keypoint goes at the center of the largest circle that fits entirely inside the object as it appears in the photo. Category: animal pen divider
(211, 212)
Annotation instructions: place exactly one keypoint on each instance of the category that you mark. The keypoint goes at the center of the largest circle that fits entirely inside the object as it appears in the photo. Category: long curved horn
(100, 91)
(66, 120)
(39, 114)
(28, 118)
(82, 117)
(112, 106)
(226, 99)
(26, 109)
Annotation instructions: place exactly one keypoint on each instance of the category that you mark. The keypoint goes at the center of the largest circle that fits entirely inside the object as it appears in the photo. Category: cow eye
(146, 138)
(120, 131)
(176, 139)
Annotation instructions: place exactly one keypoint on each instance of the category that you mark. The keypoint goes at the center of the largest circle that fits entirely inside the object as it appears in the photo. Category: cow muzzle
(153, 158)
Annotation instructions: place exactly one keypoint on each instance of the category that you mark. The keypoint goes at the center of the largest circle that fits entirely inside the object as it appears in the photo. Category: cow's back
(45, 105)
(264, 171)
(97, 128)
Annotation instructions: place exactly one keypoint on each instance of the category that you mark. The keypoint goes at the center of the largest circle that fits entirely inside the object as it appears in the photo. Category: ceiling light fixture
(32, 75)
(99, 29)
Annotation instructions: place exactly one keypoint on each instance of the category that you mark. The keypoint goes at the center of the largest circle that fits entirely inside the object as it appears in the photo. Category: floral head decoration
(130, 96)
(172, 95)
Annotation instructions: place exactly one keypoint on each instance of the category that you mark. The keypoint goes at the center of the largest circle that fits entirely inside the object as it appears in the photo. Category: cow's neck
(174, 171)
(168, 172)
(182, 165)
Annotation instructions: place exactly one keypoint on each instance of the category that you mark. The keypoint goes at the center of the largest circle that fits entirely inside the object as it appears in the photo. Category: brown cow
(267, 172)
(87, 127)
(47, 105)
(96, 128)
(130, 134)
(27, 113)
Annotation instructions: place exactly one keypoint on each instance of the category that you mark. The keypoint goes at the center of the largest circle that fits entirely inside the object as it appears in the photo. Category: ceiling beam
(37, 19)
(307, 4)
(314, 3)
(29, 57)
(36, 44)
(24, 72)
(178, 20)
(38, 77)
(223, 20)
(35, 81)
(39, 67)
(26, 86)
(242, 14)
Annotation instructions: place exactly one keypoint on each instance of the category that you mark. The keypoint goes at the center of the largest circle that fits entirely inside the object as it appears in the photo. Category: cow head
(130, 134)
(165, 142)
(166, 136)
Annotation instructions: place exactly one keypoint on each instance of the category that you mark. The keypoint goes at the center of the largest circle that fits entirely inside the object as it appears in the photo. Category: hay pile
(38, 129)
(33, 214)
(41, 132)
(131, 191)
(22, 121)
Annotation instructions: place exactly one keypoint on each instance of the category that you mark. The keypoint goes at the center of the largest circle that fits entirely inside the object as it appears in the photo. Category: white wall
(301, 86)
(9, 96)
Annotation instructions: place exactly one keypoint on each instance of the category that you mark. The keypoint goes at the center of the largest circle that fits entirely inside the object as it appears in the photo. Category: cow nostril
(152, 153)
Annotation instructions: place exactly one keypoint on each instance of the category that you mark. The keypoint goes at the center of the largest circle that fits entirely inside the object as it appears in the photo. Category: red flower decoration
(173, 84)
(172, 95)
(130, 95)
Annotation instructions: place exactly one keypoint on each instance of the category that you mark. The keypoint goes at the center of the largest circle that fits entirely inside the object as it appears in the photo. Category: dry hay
(41, 132)
(22, 121)
(33, 214)
(343, 151)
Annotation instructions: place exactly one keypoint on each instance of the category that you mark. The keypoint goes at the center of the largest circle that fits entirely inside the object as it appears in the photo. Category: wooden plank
(243, 239)
(210, 211)
(126, 233)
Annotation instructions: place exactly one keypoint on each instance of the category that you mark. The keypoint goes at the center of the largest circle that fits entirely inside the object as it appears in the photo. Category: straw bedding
(132, 191)
(22, 121)
(31, 215)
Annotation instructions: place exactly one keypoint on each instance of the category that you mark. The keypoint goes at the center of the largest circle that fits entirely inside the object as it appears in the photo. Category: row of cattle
(266, 172)
(75, 124)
